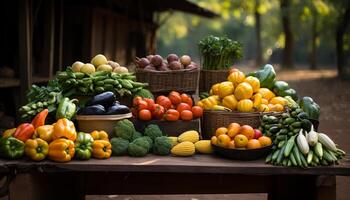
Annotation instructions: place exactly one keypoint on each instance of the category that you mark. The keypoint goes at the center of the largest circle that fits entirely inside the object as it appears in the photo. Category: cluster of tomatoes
(171, 108)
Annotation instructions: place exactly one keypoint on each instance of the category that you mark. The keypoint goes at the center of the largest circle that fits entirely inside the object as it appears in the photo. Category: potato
(76, 66)
(99, 60)
(87, 68)
(121, 70)
(113, 64)
(107, 68)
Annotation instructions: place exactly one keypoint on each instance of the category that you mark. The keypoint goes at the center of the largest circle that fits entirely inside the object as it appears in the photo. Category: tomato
(186, 115)
(145, 115)
(197, 111)
(136, 100)
(142, 104)
(150, 103)
(158, 111)
(183, 106)
(174, 97)
(172, 115)
(186, 99)
(164, 101)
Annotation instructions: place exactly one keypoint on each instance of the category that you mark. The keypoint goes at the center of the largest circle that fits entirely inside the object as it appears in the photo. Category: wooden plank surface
(169, 164)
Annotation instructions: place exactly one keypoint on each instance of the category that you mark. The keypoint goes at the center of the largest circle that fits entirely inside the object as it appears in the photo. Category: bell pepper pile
(58, 142)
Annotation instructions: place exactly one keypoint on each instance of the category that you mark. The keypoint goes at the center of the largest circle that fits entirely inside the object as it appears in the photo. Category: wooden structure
(40, 37)
(200, 174)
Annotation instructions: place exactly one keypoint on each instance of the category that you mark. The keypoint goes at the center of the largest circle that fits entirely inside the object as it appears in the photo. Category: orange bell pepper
(39, 119)
(64, 128)
(99, 135)
(101, 149)
(61, 150)
(24, 132)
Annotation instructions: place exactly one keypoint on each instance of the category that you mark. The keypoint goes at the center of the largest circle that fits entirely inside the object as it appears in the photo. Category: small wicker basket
(167, 81)
(210, 77)
(215, 119)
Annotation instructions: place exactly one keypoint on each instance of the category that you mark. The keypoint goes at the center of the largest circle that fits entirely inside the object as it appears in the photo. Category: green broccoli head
(149, 140)
(143, 142)
(153, 131)
(136, 135)
(162, 146)
(136, 150)
(125, 129)
(119, 146)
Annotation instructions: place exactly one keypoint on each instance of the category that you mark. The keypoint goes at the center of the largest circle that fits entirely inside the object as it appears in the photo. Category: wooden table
(200, 174)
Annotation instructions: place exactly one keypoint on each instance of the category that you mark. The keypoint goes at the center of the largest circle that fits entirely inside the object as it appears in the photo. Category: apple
(257, 134)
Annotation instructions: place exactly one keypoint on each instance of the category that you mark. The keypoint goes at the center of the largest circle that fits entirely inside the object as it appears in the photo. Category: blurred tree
(287, 59)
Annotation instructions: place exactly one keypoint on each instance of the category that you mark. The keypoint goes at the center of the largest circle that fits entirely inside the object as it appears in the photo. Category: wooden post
(51, 16)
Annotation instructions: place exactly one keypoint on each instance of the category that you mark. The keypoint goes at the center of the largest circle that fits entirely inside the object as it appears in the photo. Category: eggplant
(105, 99)
(92, 110)
(117, 109)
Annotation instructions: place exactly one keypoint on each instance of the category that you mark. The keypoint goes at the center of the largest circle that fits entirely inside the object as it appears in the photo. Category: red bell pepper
(39, 119)
(24, 132)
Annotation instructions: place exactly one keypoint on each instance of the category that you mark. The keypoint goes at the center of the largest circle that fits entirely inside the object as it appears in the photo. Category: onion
(143, 62)
(163, 67)
(121, 70)
(150, 67)
(185, 60)
(191, 66)
(172, 57)
(176, 65)
(157, 60)
(149, 57)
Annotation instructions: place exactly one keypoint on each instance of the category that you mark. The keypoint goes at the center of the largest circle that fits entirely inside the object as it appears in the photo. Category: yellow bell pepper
(44, 132)
(264, 108)
(226, 88)
(99, 135)
(36, 149)
(61, 150)
(101, 149)
(230, 102)
(209, 102)
(64, 128)
(8, 132)
(257, 100)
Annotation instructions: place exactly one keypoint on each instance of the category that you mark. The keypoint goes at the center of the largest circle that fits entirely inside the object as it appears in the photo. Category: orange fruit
(233, 129)
(253, 144)
(223, 140)
(221, 131)
(214, 140)
(248, 131)
(240, 141)
(231, 144)
(265, 141)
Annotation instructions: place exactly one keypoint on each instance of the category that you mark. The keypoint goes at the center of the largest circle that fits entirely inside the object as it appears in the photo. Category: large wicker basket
(166, 81)
(215, 119)
(210, 77)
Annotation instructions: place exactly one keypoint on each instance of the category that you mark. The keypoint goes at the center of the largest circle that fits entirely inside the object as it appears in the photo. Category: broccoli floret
(153, 131)
(119, 146)
(149, 140)
(136, 150)
(143, 142)
(136, 135)
(125, 129)
(162, 146)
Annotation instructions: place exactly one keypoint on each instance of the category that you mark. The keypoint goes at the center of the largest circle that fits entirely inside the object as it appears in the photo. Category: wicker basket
(167, 81)
(215, 119)
(210, 77)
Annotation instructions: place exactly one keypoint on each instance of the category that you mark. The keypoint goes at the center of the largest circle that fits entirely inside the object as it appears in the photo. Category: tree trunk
(314, 35)
(257, 15)
(287, 59)
(339, 38)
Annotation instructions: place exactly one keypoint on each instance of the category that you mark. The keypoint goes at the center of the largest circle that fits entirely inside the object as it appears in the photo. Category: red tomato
(197, 111)
(142, 104)
(164, 101)
(174, 97)
(172, 115)
(158, 111)
(186, 99)
(150, 103)
(183, 106)
(136, 100)
(186, 115)
(145, 115)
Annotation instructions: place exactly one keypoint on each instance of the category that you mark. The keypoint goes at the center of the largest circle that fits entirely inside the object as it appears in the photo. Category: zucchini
(275, 154)
(309, 157)
(318, 150)
(327, 142)
(315, 159)
(303, 160)
(281, 144)
(268, 158)
(280, 155)
(296, 155)
(289, 146)
(292, 158)
(289, 120)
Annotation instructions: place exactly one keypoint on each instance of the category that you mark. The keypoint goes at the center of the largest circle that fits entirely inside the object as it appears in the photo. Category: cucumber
(268, 158)
(99, 89)
(303, 115)
(281, 137)
(98, 78)
(315, 158)
(275, 154)
(274, 129)
(296, 131)
(289, 163)
(285, 162)
(284, 131)
(281, 144)
(309, 157)
(272, 119)
(296, 155)
(289, 146)
(99, 83)
(280, 155)
(126, 84)
(318, 150)
(302, 158)
(288, 121)
(79, 75)
(99, 73)
(285, 115)
(324, 162)
(296, 124)
(292, 158)
(62, 76)
(109, 81)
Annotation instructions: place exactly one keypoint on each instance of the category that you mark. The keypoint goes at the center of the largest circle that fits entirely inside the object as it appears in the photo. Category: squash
(264, 101)
(225, 88)
(257, 98)
(236, 77)
(279, 100)
(230, 102)
(190, 136)
(214, 89)
(254, 82)
(243, 91)
(302, 143)
(174, 140)
(184, 149)
(266, 93)
(203, 146)
(264, 108)
(276, 107)
(245, 105)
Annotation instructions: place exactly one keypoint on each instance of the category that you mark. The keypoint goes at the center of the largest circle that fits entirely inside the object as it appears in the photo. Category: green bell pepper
(11, 148)
(83, 146)
(281, 88)
(310, 107)
(266, 76)
(66, 108)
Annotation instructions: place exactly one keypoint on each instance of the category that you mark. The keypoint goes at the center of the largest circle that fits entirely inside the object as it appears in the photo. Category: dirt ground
(332, 94)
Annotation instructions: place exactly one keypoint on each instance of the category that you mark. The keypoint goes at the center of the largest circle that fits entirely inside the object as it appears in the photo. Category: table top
(195, 164)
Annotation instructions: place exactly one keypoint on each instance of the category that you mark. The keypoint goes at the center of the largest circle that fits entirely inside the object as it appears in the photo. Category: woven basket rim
(237, 114)
(138, 70)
